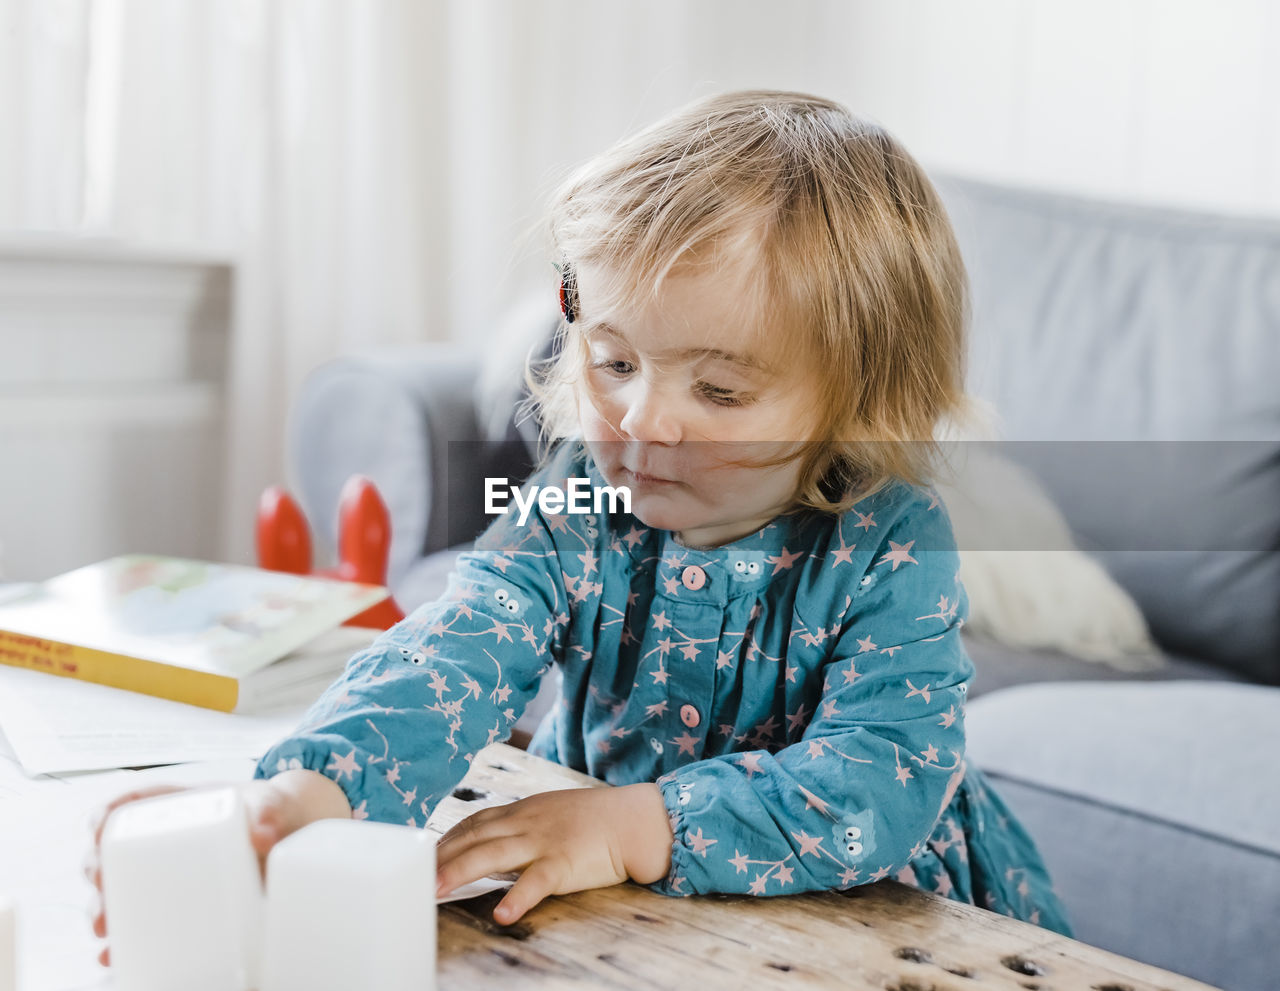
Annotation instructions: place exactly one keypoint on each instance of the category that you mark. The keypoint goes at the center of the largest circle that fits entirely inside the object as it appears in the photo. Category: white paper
(16, 784)
(59, 724)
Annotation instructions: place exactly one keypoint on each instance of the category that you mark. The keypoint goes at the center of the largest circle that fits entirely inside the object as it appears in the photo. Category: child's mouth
(640, 479)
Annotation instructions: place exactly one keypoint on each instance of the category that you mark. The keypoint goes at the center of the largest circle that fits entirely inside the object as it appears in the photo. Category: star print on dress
(344, 765)
(804, 732)
(844, 553)
(899, 554)
(784, 561)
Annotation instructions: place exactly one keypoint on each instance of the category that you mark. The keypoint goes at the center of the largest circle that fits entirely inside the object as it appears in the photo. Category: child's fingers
(97, 917)
(93, 867)
(468, 825)
(541, 878)
(474, 831)
(505, 853)
(266, 826)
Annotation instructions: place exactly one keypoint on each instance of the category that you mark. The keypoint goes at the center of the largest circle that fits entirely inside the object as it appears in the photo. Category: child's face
(677, 393)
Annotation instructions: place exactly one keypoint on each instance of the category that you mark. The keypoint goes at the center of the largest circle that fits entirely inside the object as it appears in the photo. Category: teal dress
(797, 695)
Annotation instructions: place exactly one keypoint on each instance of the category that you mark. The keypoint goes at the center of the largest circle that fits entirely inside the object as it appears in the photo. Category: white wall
(1163, 101)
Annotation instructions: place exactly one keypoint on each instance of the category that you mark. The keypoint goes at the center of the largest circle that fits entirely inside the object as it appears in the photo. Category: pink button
(693, 577)
(689, 716)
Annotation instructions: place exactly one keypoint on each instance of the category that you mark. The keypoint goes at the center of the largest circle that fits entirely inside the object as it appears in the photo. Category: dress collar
(740, 566)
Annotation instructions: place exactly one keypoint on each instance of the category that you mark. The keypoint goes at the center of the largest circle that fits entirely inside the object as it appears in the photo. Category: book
(191, 631)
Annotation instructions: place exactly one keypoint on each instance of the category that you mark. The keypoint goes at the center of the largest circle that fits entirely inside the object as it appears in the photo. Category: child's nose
(649, 418)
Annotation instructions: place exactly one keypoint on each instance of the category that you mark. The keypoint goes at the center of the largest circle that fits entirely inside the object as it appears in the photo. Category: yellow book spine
(166, 681)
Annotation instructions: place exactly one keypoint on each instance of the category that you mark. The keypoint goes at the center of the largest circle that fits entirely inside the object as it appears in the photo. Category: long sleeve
(857, 795)
(399, 728)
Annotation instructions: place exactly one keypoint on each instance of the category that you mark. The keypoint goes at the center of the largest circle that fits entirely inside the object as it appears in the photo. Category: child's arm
(856, 797)
(399, 729)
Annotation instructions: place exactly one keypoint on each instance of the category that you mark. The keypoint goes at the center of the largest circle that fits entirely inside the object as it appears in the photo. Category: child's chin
(658, 513)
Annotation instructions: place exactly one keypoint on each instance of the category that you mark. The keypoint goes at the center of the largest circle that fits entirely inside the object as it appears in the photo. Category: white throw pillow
(1028, 584)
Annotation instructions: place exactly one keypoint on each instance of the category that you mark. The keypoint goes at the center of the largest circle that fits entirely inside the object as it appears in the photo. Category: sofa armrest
(399, 417)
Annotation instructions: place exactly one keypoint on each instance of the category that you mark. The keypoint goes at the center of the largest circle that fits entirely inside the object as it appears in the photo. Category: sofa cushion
(998, 665)
(1155, 808)
(1152, 338)
(1029, 584)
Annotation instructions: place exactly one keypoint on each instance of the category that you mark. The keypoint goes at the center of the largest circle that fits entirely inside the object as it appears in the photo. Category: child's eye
(614, 366)
(721, 396)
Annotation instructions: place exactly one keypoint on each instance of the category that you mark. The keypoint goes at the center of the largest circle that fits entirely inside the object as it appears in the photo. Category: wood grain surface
(881, 936)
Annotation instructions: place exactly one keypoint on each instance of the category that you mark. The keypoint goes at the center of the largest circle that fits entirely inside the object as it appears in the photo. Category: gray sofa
(1134, 355)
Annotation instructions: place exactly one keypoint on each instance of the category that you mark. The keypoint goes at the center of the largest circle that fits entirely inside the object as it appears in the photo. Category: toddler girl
(764, 325)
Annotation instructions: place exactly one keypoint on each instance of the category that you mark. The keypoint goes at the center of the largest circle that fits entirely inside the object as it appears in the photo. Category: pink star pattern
(344, 767)
(844, 553)
(783, 561)
(698, 843)
(899, 554)
(687, 742)
(922, 692)
(811, 845)
(812, 801)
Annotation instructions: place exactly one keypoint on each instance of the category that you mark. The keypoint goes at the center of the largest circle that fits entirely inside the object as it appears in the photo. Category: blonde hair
(859, 271)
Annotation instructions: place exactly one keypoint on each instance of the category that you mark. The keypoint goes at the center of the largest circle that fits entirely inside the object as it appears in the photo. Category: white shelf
(113, 361)
(169, 403)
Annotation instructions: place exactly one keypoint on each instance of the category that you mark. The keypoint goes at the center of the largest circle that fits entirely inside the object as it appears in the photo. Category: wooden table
(883, 936)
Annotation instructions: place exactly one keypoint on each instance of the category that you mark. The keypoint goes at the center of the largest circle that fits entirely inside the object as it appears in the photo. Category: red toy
(364, 543)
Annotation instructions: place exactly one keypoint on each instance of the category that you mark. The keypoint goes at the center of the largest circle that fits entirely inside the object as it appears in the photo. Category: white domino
(351, 905)
(183, 894)
(8, 945)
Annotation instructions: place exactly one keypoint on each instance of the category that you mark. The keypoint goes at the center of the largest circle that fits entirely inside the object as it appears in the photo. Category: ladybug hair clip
(568, 292)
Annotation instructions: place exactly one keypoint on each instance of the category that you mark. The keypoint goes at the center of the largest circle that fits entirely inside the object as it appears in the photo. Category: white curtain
(377, 168)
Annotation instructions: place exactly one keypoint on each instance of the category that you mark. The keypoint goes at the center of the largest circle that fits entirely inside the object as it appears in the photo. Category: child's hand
(564, 841)
(275, 808)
